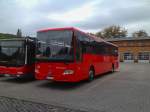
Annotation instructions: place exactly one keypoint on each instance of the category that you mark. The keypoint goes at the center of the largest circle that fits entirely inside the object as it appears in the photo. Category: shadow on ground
(71, 86)
(1, 75)
(61, 85)
(19, 80)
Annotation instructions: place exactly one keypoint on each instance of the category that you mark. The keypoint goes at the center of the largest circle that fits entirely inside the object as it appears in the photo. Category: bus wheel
(91, 74)
(113, 68)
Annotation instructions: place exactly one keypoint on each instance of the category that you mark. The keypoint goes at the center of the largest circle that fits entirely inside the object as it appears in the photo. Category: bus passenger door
(81, 65)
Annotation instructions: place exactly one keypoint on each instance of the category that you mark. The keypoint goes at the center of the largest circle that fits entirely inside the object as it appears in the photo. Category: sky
(87, 15)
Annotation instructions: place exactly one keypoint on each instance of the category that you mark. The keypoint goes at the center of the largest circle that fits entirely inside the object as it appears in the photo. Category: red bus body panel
(102, 64)
(14, 71)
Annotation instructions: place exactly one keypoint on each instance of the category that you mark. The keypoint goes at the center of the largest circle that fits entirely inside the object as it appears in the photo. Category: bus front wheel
(91, 74)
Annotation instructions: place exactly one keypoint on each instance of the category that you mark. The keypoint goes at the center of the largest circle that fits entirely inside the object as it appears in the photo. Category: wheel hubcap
(91, 75)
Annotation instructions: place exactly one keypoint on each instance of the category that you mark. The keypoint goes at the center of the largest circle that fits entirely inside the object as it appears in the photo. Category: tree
(99, 34)
(139, 34)
(89, 33)
(112, 32)
(7, 36)
(19, 33)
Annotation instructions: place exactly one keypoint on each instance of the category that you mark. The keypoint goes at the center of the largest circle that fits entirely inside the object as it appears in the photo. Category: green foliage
(112, 32)
(139, 34)
(92, 34)
(7, 36)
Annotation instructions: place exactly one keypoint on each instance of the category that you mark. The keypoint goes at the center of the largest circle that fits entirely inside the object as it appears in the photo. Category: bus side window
(31, 53)
(78, 51)
(48, 51)
(115, 51)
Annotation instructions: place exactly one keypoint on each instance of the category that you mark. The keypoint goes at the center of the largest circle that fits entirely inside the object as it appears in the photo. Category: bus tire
(91, 74)
(113, 68)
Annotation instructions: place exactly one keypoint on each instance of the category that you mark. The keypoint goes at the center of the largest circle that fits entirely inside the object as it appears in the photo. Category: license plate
(49, 78)
(7, 75)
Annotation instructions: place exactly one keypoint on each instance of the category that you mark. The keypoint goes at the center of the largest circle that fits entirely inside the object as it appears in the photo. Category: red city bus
(70, 55)
(17, 56)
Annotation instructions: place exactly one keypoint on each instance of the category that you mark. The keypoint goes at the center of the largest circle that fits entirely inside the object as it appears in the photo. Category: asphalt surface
(18, 105)
(127, 90)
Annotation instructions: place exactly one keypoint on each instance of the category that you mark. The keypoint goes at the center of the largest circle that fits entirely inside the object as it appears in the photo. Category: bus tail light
(68, 72)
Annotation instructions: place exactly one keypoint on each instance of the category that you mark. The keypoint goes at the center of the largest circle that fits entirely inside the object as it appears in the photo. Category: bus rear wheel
(113, 68)
(91, 74)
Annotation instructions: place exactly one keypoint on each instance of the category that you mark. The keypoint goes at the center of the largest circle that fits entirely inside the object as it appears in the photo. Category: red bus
(17, 57)
(70, 55)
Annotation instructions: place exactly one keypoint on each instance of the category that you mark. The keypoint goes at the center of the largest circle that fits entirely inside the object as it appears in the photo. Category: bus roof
(76, 29)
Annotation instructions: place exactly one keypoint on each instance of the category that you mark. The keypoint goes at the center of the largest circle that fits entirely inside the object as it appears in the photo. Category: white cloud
(76, 15)
(133, 27)
(27, 4)
(89, 15)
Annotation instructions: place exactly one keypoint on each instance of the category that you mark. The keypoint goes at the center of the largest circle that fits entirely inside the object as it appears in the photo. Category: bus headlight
(36, 71)
(68, 72)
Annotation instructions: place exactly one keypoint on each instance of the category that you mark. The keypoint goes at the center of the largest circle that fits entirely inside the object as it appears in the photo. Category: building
(133, 49)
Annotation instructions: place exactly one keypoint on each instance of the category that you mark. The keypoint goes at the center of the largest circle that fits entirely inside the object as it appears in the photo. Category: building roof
(127, 39)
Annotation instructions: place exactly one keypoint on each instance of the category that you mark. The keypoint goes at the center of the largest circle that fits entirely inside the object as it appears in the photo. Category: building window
(144, 56)
(128, 56)
(131, 43)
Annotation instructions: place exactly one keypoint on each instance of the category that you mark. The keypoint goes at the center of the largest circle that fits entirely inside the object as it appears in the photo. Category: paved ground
(17, 105)
(125, 91)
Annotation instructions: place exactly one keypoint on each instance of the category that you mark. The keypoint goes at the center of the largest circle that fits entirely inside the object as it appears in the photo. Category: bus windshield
(55, 46)
(12, 52)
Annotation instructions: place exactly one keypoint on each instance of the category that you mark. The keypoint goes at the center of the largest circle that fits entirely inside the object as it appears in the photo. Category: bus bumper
(16, 71)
